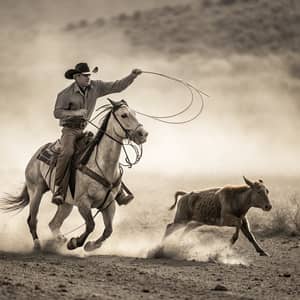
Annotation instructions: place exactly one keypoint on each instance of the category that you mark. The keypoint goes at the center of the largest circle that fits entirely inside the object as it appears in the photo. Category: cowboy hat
(80, 68)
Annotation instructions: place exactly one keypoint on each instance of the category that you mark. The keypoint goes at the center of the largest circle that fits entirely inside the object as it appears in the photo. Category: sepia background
(243, 54)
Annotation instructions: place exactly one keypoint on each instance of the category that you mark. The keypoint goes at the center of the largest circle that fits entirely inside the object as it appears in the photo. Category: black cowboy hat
(80, 68)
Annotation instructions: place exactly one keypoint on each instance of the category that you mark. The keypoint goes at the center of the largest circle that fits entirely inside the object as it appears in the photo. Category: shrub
(227, 2)
(284, 218)
(82, 23)
(100, 22)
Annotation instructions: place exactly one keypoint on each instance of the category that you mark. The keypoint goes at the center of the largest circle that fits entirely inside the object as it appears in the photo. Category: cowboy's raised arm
(62, 109)
(104, 88)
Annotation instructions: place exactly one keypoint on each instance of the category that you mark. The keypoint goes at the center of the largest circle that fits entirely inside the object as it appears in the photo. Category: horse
(103, 163)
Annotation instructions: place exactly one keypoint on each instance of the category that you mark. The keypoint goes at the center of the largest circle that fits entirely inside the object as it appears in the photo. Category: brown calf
(225, 206)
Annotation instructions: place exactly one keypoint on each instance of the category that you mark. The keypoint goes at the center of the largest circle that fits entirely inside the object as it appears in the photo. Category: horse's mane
(103, 111)
(101, 131)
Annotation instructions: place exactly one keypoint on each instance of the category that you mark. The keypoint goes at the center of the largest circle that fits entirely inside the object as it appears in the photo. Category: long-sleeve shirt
(72, 98)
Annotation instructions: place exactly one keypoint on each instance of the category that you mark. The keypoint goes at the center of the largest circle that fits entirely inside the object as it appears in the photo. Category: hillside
(23, 15)
(214, 27)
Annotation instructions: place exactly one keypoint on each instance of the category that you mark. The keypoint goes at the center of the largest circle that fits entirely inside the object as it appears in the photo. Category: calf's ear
(248, 182)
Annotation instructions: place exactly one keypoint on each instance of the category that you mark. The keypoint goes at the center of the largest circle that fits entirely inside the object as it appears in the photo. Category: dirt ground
(53, 276)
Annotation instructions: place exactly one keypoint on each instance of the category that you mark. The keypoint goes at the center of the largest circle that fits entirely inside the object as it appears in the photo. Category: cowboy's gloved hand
(136, 72)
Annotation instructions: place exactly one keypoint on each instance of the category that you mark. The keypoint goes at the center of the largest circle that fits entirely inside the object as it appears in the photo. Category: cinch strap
(84, 169)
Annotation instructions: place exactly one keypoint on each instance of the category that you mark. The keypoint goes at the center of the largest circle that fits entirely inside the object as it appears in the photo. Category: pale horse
(89, 193)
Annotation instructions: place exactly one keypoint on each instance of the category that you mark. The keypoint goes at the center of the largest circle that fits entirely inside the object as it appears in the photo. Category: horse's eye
(267, 191)
(124, 116)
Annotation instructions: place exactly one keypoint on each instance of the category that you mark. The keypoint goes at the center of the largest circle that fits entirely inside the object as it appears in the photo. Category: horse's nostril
(142, 133)
(268, 207)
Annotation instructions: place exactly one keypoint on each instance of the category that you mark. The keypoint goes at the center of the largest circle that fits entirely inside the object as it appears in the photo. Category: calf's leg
(191, 226)
(235, 236)
(172, 227)
(230, 220)
(246, 231)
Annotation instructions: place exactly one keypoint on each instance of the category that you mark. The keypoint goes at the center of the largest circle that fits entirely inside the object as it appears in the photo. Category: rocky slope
(214, 27)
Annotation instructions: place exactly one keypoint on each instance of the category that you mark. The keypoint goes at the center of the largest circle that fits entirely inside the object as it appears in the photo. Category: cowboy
(74, 105)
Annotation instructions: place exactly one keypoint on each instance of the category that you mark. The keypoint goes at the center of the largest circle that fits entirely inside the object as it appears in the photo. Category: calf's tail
(177, 194)
(13, 203)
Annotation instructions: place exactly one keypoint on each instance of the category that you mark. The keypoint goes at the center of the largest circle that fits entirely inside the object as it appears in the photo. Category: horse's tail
(14, 203)
(177, 194)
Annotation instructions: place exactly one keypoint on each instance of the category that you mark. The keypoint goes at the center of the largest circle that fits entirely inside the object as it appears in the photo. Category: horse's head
(125, 123)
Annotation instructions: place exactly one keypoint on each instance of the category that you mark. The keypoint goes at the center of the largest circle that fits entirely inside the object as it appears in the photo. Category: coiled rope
(191, 89)
(187, 85)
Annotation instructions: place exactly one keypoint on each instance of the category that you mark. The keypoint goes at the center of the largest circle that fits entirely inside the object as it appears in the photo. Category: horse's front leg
(86, 213)
(108, 215)
(63, 211)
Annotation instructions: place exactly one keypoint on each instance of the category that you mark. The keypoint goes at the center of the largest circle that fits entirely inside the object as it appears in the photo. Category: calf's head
(259, 197)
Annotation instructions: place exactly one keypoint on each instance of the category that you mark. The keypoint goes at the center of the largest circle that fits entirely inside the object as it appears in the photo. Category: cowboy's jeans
(62, 175)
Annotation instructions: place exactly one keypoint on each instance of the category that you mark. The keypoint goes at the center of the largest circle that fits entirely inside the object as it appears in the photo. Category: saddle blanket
(50, 152)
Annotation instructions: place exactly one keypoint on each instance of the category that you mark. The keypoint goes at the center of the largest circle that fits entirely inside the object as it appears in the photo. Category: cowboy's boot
(122, 198)
(58, 196)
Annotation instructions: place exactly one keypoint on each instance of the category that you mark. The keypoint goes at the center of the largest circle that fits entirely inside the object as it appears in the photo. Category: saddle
(50, 152)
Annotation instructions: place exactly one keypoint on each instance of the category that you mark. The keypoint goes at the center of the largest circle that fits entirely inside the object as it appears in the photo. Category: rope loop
(191, 89)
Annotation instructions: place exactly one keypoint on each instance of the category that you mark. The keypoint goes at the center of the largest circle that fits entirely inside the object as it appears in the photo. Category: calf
(225, 206)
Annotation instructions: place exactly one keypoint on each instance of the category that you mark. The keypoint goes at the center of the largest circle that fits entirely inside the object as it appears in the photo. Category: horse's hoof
(91, 246)
(36, 245)
(72, 244)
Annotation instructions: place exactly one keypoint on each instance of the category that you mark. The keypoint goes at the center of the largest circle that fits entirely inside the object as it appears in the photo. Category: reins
(81, 225)
(129, 163)
(104, 132)
(137, 149)
(139, 152)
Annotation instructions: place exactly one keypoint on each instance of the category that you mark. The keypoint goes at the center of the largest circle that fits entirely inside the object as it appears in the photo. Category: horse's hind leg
(108, 215)
(63, 211)
(36, 186)
(35, 194)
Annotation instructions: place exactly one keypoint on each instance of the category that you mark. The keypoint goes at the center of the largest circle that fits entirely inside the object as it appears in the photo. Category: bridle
(138, 149)
(128, 132)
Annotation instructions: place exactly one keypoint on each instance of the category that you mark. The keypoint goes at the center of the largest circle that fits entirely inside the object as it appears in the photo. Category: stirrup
(123, 199)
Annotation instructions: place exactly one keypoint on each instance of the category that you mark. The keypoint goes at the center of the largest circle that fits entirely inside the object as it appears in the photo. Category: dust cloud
(249, 126)
(206, 244)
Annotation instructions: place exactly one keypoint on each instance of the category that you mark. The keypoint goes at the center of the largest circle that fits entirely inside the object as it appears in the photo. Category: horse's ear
(113, 103)
(248, 182)
(124, 102)
(117, 104)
